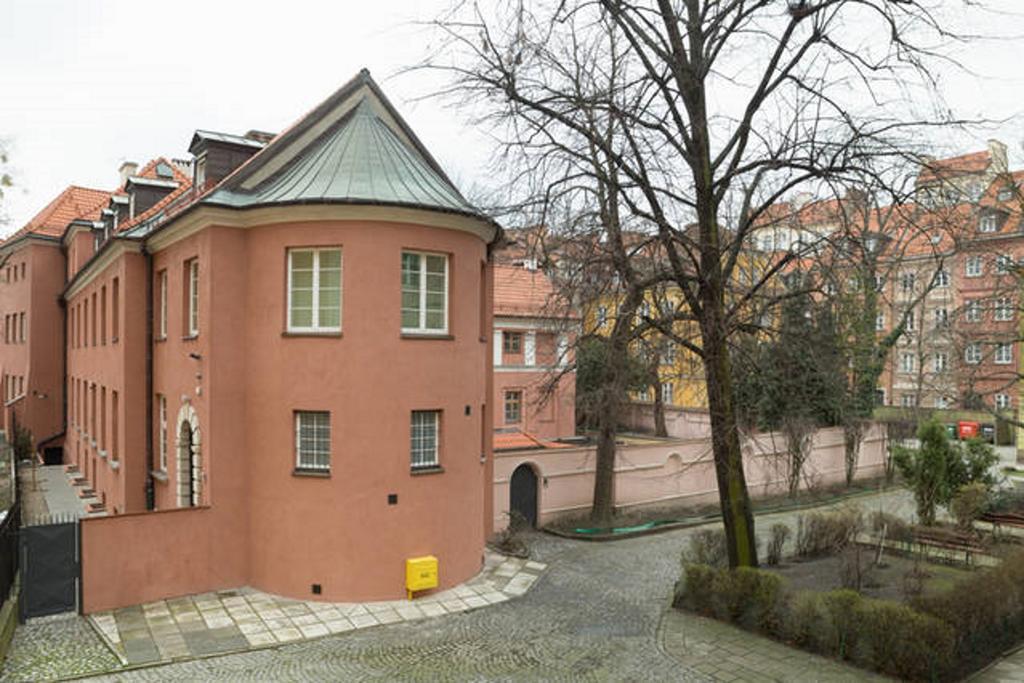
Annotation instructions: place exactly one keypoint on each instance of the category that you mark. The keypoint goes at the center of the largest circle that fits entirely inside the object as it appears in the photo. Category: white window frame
(316, 326)
(193, 297)
(162, 412)
(518, 402)
(163, 304)
(311, 464)
(422, 328)
(972, 353)
(972, 311)
(907, 363)
(1003, 309)
(942, 279)
(941, 318)
(1003, 354)
(940, 361)
(1002, 401)
(415, 461)
(974, 266)
(908, 401)
(667, 393)
(880, 321)
(988, 223)
(1004, 264)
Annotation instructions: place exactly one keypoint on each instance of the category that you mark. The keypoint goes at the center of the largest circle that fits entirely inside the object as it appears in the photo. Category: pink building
(32, 337)
(279, 368)
(534, 385)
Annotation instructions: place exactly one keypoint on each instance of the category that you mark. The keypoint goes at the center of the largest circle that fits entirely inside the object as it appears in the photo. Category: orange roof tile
(149, 171)
(519, 291)
(74, 202)
(512, 441)
(975, 162)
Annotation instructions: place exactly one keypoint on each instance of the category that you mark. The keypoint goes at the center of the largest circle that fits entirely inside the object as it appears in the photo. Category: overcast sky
(86, 85)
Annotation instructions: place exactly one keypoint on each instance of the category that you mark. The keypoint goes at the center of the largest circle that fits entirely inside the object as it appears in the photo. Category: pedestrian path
(245, 619)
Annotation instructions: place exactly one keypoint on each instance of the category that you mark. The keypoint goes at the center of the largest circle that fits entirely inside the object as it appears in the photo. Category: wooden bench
(955, 541)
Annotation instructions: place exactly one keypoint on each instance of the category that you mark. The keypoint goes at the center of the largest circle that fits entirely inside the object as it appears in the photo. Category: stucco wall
(681, 423)
(137, 558)
(674, 472)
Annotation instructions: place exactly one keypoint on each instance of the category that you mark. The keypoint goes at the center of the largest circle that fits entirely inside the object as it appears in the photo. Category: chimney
(802, 199)
(997, 151)
(128, 168)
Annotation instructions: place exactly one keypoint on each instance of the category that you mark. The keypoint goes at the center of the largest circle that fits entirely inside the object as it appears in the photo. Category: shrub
(825, 533)
(855, 566)
(968, 503)
(895, 528)
(779, 535)
(900, 641)
(745, 596)
(22, 443)
(707, 546)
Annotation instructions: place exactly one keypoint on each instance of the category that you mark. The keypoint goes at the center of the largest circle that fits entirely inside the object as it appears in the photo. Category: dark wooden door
(49, 569)
(524, 494)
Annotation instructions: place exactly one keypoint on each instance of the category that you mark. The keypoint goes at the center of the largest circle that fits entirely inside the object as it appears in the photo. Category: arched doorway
(190, 470)
(187, 467)
(523, 494)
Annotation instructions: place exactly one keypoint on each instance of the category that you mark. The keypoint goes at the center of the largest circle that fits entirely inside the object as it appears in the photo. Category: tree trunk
(604, 476)
(608, 421)
(660, 428)
(853, 435)
(737, 514)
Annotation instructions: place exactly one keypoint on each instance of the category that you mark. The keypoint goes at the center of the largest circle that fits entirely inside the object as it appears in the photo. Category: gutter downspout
(150, 497)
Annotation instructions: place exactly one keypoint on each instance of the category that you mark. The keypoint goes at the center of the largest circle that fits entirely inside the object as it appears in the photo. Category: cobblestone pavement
(243, 619)
(1008, 670)
(595, 615)
(54, 647)
(599, 612)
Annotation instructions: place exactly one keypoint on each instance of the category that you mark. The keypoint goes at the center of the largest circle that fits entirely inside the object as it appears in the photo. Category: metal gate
(49, 569)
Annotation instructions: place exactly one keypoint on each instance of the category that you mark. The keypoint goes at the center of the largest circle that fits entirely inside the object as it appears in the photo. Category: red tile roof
(513, 441)
(74, 202)
(975, 162)
(149, 171)
(522, 292)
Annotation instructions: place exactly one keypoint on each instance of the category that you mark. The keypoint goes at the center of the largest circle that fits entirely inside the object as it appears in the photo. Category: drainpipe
(150, 498)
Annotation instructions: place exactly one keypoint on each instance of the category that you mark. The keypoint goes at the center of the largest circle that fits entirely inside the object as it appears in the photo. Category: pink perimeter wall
(673, 472)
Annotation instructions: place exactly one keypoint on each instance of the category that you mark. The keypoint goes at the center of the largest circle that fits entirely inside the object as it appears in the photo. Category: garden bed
(642, 521)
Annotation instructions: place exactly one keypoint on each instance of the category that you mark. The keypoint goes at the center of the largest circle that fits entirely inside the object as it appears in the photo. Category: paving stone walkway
(599, 612)
(244, 619)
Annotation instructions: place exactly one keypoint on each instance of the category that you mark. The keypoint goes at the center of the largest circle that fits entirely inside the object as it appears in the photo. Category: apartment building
(279, 352)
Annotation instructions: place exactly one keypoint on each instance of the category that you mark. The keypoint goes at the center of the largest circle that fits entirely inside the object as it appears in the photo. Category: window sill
(115, 464)
(427, 335)
(431, 469)
(190, 337)
(329, 335)
(103, 454)
(159, 475)
(316, 474)
(160, 339)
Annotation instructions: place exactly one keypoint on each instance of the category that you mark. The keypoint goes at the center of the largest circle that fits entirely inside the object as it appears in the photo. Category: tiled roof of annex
(74, 202)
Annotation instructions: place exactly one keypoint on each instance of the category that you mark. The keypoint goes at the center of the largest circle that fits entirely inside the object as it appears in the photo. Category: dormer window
(988, 223)
(164, 170)
(1005, 194)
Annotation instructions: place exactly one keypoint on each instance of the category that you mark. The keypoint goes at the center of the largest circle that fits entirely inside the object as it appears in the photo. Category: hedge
(888, 637)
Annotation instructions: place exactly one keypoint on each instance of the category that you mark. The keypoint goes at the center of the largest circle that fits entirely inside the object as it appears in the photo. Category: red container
(968, 430)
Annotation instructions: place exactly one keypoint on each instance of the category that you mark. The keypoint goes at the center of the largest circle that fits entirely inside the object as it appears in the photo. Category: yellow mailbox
(420, 574)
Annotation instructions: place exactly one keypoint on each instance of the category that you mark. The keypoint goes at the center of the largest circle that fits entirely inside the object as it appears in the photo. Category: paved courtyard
(598, 612)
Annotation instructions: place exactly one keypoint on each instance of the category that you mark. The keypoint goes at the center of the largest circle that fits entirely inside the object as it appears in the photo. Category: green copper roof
(360, 159)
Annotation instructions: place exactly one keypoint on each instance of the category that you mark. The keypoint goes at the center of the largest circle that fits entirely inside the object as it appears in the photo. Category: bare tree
(686, 122)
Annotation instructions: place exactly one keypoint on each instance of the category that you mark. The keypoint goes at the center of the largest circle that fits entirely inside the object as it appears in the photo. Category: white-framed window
(907, 281)
(1004, 354)
(908, 400)
(644, 395)
(192, 271)
(942, 278)
(163, 304)
(314, 290)
(973, 266)
(907, 363)
(1004, 264)
(879, 283)
(161, 402)
(424, 293)
(667, 394)
(941, 318)
(425, 430)
(972, 311)
(988, 223)
(1005, 194)
(911, 322)
(1004, 309)
(312, 440)
(513, 406)
(668, 357)
(880, 321)
(941, 402)
(972, 353)
(1002, 401)
(940, 361)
